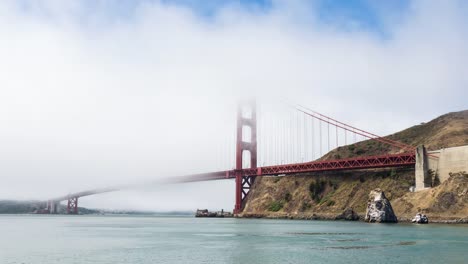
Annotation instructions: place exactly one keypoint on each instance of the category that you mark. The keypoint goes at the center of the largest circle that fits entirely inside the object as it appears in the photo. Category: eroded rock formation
(379, 208)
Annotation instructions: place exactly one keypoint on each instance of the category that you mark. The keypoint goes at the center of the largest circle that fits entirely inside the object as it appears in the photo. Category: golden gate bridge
(288, 148)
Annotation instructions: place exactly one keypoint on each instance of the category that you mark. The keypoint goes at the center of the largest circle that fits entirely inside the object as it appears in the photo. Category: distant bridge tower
(246, 118)
(72, 206)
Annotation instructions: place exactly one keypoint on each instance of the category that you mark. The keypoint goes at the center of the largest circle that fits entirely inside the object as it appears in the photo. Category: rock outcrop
(348, 215)
(379, 208)
(206, 213)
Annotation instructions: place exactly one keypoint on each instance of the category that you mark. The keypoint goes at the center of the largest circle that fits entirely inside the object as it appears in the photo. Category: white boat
(420, 219)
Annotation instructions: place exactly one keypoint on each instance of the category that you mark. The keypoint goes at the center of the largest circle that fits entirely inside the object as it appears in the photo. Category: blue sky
(345, 15)
(363, 14)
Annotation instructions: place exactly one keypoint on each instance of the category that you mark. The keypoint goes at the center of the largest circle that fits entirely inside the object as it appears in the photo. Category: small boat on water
(420, 219)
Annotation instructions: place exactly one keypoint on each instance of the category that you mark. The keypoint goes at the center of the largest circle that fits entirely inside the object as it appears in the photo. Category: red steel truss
(396, 160)
(382, 161)
(72, 207)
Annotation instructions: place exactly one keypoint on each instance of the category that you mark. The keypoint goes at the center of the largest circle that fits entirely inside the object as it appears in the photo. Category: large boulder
(379, 208)
(348, 215)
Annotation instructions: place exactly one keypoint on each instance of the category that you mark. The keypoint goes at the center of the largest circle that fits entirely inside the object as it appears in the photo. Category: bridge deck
(395, 160)
(382, 161)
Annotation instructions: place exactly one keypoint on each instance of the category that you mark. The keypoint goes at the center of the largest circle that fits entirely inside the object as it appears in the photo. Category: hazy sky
(97, 93)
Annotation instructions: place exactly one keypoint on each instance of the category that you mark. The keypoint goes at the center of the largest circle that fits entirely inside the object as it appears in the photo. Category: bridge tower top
(246, 117)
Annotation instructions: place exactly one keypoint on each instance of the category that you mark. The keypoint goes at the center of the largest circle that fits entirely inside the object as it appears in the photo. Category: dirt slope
(448, 201)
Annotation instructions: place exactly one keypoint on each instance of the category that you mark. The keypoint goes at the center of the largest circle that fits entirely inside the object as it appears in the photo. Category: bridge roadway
(358, 163)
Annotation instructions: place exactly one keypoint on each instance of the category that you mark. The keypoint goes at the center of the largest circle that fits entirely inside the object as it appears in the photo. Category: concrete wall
(450, 160)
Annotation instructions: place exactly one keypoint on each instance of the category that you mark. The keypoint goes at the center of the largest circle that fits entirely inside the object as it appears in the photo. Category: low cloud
(89, 98)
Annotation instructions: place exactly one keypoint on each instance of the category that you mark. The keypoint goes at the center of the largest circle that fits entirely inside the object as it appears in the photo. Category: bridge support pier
(243, 183)
(52, 206)
(422, 178)
(72, 206)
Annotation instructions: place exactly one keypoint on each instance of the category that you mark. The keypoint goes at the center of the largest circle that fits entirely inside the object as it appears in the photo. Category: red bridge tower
(246, 118)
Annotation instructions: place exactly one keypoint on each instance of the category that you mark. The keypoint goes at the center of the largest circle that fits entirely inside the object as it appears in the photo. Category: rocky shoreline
(340, 217)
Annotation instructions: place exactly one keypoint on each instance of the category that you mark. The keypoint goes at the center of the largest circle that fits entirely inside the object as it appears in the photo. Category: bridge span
(405, 155)
(248, 175)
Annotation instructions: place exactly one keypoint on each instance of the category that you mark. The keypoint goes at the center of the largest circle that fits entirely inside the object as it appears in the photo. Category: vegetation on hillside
(325, 193)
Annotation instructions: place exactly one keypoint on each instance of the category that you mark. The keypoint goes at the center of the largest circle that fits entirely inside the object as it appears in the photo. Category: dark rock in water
(348, 214)
(379, 208)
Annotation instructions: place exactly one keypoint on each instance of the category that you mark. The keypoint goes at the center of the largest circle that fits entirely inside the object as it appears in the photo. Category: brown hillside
(449, 130)
(327, 195)
(323, 195)
(448, 201)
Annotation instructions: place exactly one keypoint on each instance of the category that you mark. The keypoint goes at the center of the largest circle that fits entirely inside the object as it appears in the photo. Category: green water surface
(156, 239)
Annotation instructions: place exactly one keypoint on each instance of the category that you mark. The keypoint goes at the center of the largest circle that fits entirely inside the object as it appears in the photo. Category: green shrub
(360, 151)
(275, 206)
(316, 189)
(327, 198)
(333, 184)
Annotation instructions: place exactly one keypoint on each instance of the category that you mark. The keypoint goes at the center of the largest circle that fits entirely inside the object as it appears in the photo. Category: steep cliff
(328, 195)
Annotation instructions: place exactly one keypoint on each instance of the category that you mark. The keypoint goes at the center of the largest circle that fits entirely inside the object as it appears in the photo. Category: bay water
(54, 239)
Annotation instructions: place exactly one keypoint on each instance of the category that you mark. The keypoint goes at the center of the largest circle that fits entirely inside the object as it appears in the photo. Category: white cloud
(87, 101)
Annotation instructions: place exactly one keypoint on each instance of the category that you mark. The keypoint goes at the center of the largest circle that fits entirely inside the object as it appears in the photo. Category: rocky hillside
(328, 195)
(448, 201)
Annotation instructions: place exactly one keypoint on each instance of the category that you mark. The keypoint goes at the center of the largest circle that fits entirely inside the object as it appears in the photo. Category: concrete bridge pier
(422, 177)
(52, 206)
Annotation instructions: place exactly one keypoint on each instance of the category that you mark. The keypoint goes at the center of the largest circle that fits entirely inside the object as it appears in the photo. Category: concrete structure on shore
(435, 166)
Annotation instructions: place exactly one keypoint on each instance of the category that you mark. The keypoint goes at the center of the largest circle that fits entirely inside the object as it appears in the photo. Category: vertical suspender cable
(276, 142)
(291, 136)
(313, 138)
(306, 142)
(320, 131)
(298, 139)
(336, 134)
(285, 145)
(345, 138)
(328, 137)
